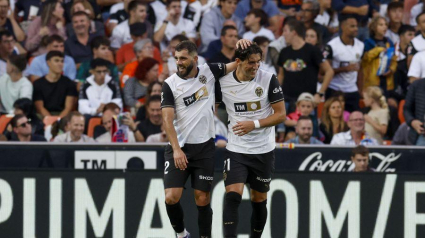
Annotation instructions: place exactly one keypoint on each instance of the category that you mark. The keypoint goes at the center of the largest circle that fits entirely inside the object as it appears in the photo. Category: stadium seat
(386, 142)
(49, 120)
(320, 109)
(4, 121)
(94, 121)
(400, 111)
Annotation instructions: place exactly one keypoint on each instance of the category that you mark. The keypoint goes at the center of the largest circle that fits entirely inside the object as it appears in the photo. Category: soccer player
(254, 103)
(187, 103)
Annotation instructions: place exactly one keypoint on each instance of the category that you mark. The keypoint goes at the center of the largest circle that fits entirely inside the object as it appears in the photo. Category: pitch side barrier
(150, 157)
(130, 204)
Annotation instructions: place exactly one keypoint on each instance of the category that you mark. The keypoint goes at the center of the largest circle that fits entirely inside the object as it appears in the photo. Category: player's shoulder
(171, 80)
(264, 77)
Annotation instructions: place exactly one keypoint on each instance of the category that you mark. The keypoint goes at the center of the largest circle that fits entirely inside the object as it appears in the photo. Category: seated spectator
(360, 159)
(107, 120)
(25, 106)
(57, 128)
(38, 67)
(22, 128)
(154, 88)
(121, 33)
(54, 94)
(161, 138)
(304, 130)
(96, 27)
(378, 117)
(98, 90)
(152, 125)
(173, 25)
(265, 63)
(327, 17)
(255, 21)
(8, 22)
(310, 9)
(171, 62)
(215, 45)
(135, 88)
(100, 49)
(356, 135)
(76, 128)
(332, 119)
(13, 85)
(229, 37)
(414, 112)
(78, 46)
(7, 48)
(100, 129)
(340, 96)
(49, 23)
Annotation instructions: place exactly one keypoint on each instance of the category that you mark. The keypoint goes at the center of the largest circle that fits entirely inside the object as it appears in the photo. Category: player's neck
(192, 73)
(347, 40)
(241, 76)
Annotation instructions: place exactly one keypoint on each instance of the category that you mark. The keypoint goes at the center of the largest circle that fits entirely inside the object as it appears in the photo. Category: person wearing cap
(304, 130)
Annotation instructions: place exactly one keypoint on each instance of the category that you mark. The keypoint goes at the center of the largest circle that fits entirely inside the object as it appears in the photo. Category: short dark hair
(395, 5)
(296, 26)
(5, 33)
(243, 54)
(179, 38)
(99, 41)
(171, 1)
(417, 18)
(15, 119)
(54, 38)
(305, 118)
(99, 62)
(81, 13)
(54, 53)
(187, 45)
(134, 4)
(264, 18)
(405, 28)
(259, 40)
(75, 114)
(345, 17)
(360, 150)
(226, 28)
(153, 98)
(19, 61)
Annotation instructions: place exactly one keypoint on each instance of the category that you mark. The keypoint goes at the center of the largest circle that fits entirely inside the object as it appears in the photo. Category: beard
(188, 70)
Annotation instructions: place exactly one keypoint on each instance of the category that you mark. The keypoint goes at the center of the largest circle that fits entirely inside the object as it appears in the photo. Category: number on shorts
(167, 164)
(226, 164)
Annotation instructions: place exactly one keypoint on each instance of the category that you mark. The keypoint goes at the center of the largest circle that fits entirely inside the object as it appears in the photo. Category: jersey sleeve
(328, 53)
(167, 97)
(275, 91)
(218, 70)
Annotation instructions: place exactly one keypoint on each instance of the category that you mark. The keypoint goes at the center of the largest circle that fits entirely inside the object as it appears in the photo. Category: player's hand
(243, 127)
(243, 44)
(180, 160)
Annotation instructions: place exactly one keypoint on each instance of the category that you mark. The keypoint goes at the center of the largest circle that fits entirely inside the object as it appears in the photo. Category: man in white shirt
(416, 69)
(356, 135)
(76, 128)
(418, 43)
(255, 20)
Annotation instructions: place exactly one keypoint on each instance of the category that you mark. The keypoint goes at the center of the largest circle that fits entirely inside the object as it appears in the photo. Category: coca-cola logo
(314, 162)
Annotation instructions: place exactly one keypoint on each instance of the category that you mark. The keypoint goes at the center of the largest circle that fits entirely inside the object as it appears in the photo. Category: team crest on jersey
(203, 79)
(259, 91)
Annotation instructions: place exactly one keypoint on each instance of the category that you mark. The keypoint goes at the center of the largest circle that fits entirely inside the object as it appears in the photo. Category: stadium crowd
(351, 71)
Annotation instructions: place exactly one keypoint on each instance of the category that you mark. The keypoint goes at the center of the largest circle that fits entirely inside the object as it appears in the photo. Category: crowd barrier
(150, 156)
(129, 204)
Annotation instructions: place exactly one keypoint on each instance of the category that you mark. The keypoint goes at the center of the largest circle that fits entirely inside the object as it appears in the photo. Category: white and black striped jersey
(193, 100)
(249, 101)
(342, 55)
(416, 45)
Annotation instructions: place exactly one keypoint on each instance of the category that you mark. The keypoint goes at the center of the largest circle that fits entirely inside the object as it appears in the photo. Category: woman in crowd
(332, 121)
(312, 36)
(85, 6)
(378, 117)
(154, 88)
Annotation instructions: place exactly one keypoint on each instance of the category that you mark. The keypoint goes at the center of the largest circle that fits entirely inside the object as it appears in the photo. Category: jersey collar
(236, 78)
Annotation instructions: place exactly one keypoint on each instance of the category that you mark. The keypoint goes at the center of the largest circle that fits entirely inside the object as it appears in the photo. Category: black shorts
(254, 169)
(200, 166)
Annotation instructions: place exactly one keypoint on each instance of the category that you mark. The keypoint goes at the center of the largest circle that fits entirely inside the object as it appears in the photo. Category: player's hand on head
(243, 127)
(243, 44)
(180, 160)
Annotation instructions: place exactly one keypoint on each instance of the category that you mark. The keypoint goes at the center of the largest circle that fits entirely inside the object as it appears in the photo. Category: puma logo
(180, 89)
(233, 92)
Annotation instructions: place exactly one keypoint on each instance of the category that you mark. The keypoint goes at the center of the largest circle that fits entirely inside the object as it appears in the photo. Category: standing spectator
(8, 22)
(395, 14)
(38, 67)
(78, 46)
(229, 37)
(152, 125)
(379, 61)
(304, 130)
(312, 36)
(356, 135)
(84, 6)
(98, 90)
(327, 17)
(344, 53)
(154, 88)
(414, 111)
(13, 85)
(299, 65)
(50, 22)
(22, 128)
(213, 21)
(75, 130)
(54, 94)
(255, 21)
(26, 106)
(378, 117)
(401, 79)
(310, 9)
(418, 43)
(332, 119)
(173, 25)
(360, 159)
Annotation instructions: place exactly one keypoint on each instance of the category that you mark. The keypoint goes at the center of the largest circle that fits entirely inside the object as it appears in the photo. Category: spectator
(416, 69)
(54, 94)
(30, 8)
(152, 125)
(22, 128)
(98, 90)
(340, 96)
(255, 21)
(312, 36)
(229, 37)
(38, 67)
(332, 119)
(135, 88)
(13, 85)
(100, 49)
(327, 17)
(119, 16)
(310, 9)
(415, 11)
(78, 46)
(289, 8)
(7, 48)
(265, 64)
(173, 25)
(276, 47)
(96, 27)
(356, 135)
(401, 136)
(121, 33)
(25, 106)
(401, 79)
(49, 23)
(378, 117)
(360, 159)
(414, 112)
(344, 53)
(215, 45)
(299, 65)
(418, 43)
(8, 22)
(107, 120)
(76, 128)
(304, 130)
(213, 21)
(395, 14)
(268, 6)
(100, 129)
(379, 61)
(163, 138)
(154, 88)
